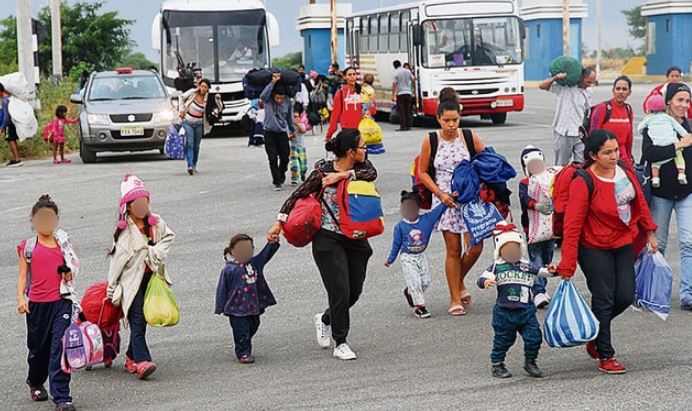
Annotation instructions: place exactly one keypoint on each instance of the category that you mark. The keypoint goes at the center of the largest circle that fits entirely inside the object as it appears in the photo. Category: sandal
(466, 300)
(456, 311)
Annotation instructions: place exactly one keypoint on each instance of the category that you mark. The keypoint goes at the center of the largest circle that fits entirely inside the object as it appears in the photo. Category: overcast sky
(142, 11)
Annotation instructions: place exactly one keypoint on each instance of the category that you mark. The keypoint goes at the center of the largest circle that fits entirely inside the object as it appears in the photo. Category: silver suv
(123, 110)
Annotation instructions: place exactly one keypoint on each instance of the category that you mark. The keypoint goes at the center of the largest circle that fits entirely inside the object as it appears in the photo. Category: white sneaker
(324, 332)
(344, 352)
(541, 300)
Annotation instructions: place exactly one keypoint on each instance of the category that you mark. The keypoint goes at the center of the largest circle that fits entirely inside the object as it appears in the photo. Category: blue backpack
(174, 148)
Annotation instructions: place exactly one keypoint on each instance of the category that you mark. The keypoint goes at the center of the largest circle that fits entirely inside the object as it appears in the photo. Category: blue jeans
(541, 254)
(244, 328)
(138, 350)
(662, 211)
(193, 139)
(507, 323)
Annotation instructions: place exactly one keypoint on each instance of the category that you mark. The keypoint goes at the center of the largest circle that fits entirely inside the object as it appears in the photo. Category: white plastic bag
(17, 85)
(23, 117)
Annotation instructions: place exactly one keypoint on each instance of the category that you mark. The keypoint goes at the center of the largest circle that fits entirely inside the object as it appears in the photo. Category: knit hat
(528, 154)
(675, 88)
(131, 189)
(656, 103)
(507, 233)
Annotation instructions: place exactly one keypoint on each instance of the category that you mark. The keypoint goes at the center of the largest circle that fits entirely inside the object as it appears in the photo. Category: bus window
(383, 25)
(363, 35)
(394, 32)
(372, 34)
(348, 32)
(403, 38)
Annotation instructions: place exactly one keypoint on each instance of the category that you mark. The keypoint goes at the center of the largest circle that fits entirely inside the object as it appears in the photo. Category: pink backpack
(48, 131)
(82, 345)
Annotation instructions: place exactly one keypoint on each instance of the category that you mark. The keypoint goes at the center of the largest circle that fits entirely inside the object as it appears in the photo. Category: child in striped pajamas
(411, 237)
(299, 158)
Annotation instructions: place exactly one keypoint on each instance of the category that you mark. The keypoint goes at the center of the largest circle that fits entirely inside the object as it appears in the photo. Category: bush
(50, 95)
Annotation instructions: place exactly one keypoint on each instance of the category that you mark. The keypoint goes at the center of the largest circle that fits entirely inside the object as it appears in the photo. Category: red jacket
(348, 110)
(596, 223)
(619, 123)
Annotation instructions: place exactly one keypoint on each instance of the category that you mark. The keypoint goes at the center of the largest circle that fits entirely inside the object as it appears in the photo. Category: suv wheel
(86, 155)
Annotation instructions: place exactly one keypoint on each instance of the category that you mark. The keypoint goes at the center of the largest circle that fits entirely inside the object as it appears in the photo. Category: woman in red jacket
(600, 232)
(348, 107)
(617, 116)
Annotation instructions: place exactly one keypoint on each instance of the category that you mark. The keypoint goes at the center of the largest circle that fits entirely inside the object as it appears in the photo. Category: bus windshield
(224, 44)
(491, 41)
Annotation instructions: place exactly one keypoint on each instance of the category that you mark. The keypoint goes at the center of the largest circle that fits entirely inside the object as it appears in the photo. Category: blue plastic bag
(569, 321)
(174, 147)
(480, 219)
(653, 284)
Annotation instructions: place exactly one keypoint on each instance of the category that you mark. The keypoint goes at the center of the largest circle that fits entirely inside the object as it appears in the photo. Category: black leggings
(342, 263)
(610, 278)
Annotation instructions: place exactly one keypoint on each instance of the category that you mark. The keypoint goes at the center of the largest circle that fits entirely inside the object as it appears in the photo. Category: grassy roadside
(50, 95)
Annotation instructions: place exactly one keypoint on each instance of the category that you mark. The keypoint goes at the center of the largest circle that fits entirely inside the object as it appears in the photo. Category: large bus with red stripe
(473, 46)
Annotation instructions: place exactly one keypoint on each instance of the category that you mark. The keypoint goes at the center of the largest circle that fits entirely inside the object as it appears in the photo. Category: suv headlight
(166, 117)
(98, 119)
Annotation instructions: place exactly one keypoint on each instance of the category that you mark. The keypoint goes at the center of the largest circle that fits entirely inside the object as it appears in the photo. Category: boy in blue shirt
(411, 238)
(514, 311)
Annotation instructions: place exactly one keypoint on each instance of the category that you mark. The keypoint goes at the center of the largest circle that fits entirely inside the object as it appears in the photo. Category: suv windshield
(225, 44)
(125, 87)
(488, 41)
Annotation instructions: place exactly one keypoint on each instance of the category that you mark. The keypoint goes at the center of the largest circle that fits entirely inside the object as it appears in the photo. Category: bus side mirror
(156, 32)
(417, 34)
(273, 30)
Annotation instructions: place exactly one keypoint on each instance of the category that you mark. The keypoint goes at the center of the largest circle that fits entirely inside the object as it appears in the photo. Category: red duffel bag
(97, 309)
(304, 221)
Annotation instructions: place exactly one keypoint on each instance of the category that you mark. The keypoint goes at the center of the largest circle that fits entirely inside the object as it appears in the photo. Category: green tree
(636, 22)
(100, 40)
(137, 61)
(291, 60)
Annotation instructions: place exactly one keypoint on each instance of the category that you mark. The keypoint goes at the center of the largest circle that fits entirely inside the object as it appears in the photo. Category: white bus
(473, 46)
(225, 38)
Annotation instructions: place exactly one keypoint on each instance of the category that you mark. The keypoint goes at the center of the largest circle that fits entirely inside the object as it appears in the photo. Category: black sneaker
(500, 371)
(409, 300)
(65, 406)
(532, 369)
(38, 394)
(422, 312)
(190, 170)
(14, 163)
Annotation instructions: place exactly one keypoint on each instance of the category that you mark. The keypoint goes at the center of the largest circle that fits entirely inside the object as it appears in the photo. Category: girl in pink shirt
(56, 133)
(45, 300)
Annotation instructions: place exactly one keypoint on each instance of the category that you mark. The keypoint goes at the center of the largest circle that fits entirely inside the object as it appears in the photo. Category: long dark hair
(357, 86)
(594, 142)
(147, 229)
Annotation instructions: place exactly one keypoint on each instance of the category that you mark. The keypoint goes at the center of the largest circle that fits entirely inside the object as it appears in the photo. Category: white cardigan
(132, 255)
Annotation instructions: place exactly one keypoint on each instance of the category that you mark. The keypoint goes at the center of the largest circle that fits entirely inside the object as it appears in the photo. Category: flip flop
(466, 300)
(456, 311)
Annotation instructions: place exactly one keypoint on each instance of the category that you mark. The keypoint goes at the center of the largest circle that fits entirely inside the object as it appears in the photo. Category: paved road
(404, 362)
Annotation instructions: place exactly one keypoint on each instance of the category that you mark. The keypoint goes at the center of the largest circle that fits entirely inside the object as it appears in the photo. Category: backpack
(561, 185)
(48, 131)
(69, 258)
(255, 81)
(319, 98)
(212, 112)
(585, 128)
(82, 345)
(360, 210)
(174, 147)
(304, 221)
(424, 194)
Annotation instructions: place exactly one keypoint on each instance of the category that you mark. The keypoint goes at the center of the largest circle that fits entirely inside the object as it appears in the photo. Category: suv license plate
(132, 131)
(504, 103)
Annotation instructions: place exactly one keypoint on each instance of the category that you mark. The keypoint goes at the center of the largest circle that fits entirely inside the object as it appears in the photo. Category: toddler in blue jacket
(243, 293)
(411, 237)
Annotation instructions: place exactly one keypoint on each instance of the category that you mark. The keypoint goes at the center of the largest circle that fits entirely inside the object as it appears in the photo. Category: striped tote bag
(569, 321)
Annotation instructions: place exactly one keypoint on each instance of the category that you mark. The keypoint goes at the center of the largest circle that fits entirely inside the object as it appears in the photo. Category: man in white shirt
(572, 105)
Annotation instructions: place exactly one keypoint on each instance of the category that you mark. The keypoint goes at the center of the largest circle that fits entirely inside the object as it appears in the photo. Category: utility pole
(598, 41)
(334, 33)
(565, 27)
(25, 50)
(56, 38)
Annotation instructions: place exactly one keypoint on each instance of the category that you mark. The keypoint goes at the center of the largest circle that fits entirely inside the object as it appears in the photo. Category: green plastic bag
(569, 65)
(160, 307)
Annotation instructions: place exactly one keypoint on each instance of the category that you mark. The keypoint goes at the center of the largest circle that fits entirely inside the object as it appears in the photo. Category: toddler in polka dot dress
(243, 293)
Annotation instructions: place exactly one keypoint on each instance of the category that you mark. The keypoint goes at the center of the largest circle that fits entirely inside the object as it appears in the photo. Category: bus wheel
(499, 118)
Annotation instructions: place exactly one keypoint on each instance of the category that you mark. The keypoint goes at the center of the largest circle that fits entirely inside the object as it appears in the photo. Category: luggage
(304, 221)
(371, 131)
(480, 219)
(96, 307)
(568, 65)
(174, 147)
(160, 306)
(82, 345)
(360, 210)
(540, 225)
(17, 85)
(653, 284)
(23, 117)
(255, 81)
(569, 321)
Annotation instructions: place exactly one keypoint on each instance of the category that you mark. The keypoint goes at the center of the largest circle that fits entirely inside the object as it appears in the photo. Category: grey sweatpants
(567, 149)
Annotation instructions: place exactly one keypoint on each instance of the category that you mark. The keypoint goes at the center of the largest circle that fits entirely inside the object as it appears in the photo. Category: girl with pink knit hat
(142, 240)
